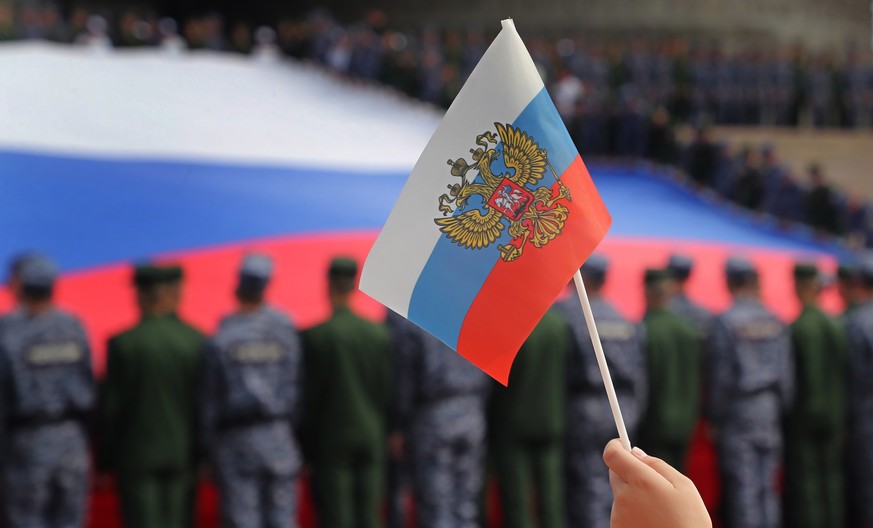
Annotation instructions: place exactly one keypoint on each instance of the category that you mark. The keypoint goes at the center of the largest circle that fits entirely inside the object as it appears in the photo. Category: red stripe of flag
(517, 294)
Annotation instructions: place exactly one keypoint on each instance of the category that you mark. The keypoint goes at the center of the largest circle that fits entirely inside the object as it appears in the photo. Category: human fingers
(615, 482)
(673, 476)
(626, 465)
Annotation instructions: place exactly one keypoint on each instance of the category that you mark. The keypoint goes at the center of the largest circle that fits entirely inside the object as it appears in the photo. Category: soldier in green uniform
(815, 424)
(346, 398)
(149, 402)
(673, 357)
(526, 428)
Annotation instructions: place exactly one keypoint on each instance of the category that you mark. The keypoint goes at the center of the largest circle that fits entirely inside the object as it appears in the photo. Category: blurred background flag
(477, 248)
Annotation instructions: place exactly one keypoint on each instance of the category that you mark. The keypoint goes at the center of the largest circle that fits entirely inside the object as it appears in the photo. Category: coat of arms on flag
(510, 198)
(520, 216)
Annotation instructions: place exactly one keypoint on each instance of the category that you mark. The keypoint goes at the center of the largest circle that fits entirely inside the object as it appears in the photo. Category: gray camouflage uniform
(47, 391)
(681, 266)
(251, 387)
(440, 402)
(751, 384)
(589, 423)
(694, 314)
(860, 331)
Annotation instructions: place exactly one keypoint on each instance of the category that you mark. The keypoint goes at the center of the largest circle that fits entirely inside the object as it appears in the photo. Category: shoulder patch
(256, 352)
(615, 331)
(759, 330)
(51, 354)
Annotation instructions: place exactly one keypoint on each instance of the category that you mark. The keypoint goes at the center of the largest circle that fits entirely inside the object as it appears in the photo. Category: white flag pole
(601, 361)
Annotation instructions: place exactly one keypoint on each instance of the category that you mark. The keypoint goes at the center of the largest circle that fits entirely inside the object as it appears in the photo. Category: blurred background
(195, 131)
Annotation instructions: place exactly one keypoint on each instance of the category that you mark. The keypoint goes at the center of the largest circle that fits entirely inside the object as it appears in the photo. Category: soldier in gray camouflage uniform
(751, 385)
(680, 267)
(440, 399)
(860, 397)
(47, 391)
(250, 391)
(589, 421)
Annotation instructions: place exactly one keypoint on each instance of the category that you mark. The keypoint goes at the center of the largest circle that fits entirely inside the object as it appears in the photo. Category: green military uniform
(346, 397)
(149, 401)
(526, 424)
(674, 362)
(815, 425)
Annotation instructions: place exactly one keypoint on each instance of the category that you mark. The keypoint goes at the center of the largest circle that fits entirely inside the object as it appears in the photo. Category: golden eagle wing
(472, 229)
(521, 153)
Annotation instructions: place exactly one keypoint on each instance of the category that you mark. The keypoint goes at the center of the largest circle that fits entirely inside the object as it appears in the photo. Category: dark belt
(40, 420)
(244, 422)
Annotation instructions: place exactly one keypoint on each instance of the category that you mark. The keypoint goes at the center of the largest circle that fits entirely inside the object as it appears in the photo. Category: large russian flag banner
(496, 216)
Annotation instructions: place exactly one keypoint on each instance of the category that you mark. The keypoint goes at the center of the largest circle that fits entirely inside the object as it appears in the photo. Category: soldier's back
(258, 360)
(814, 433)
(820, 354)
(48, 392)
(534, 405)
(347, 382)
(151, 385)
(751, 383)
(673, 357)
(250, 389)
(48, 358)
(589, 415)
(751, 371)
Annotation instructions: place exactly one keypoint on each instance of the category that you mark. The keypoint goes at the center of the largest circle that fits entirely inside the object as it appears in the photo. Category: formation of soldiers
(384, 411)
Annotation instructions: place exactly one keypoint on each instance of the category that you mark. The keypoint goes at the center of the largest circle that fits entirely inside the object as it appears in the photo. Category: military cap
(342, 267)
(17, 262)
(36, 271)
(255, 272)
(654, 276)
(739, 268)
(145, 275)
(596, 267)
(257, 266)
(171, 274)
(680, 266)
(805, 271)
(148, 275)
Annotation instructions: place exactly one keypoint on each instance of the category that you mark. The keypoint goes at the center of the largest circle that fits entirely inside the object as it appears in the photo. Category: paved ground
(847, 157)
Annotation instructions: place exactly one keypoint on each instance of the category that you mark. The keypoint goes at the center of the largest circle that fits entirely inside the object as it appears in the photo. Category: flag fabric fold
(496, 216)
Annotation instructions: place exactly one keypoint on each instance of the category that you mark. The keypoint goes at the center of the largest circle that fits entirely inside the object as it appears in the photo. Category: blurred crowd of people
(785, 86)
(381, 412)
(754, 179)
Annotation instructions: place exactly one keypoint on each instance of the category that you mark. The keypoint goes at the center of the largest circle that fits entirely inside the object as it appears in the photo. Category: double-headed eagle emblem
(509, 200)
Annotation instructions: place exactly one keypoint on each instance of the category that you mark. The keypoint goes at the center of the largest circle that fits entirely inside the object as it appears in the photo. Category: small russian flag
(495, 218)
